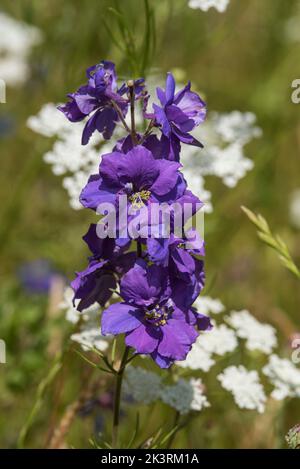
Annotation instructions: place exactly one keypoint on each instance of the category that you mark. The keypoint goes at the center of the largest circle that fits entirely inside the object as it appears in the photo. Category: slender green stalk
(274, 241)
(132, 112)
(120, 114)
(117, 398)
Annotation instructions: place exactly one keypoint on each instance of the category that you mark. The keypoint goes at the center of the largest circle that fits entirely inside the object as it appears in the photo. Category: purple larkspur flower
(96, 98)
(177, 116)
(108, 262)
(153, 324)
(136, 174)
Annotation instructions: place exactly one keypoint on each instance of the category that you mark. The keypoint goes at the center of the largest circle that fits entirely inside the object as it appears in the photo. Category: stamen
(138, 198)
(159, 315)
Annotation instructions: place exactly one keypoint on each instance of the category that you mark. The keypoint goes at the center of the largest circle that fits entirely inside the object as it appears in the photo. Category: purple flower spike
(153, 324)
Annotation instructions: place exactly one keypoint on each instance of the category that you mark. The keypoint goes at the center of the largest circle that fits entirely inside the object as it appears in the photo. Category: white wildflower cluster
(295, 208)
(142, 385)
(224, 137)
(245, 386)
(146, 387)
(206, 305)
(67, 156)
(16, 41)
(89, 335)
(258, 336)
(284, 376)
(185, 396)
(204, 5)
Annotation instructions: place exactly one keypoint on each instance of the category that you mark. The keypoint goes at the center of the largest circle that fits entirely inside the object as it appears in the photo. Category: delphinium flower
(100, 99)
(136, 174)
(152, 322)
(178, 114)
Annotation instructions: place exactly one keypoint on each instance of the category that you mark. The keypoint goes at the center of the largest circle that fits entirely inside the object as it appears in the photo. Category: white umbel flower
(258, 336)
(206, 305)
(220, 340)
(237, 127)
(284, 376)
(204, 5)
(142, 385)
(185, 396)
(16, 41)
(247, 391)
(197, 359)
(89, 338)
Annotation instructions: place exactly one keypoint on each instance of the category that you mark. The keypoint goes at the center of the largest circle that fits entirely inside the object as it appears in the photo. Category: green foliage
(274, 241)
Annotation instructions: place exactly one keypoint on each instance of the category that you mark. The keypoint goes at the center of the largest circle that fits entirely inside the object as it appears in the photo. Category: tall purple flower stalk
(159, 280)
(156, 274)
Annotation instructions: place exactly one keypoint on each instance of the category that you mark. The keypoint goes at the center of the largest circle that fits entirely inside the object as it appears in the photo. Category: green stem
(120, 114)
(175, 424)
(117, 398)
(132, 112)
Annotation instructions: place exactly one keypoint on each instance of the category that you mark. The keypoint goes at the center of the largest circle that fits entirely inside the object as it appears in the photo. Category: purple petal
(95, 193)
(161, 118)
(178, 337)
(89, 128)
(162, 362)
(119, 318)
(158, 250)
(139, 167)
(168, 177)
(71, 111)
(170, 87)
(161, 96)
(142, 286)
(186, 138)
(109, 168)
(143, 339)
(183, 261)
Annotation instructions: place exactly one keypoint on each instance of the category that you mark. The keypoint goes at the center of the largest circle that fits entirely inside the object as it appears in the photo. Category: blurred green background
(242, 59)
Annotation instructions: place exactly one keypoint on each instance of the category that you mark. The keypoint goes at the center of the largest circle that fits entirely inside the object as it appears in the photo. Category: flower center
(158, 315)
(138, 199)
